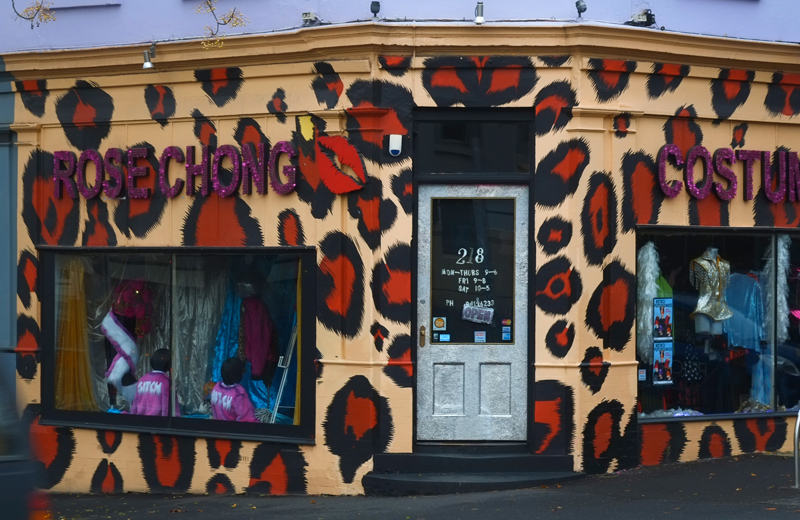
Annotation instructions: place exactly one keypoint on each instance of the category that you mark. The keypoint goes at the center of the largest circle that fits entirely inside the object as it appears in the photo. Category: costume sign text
(720, 163)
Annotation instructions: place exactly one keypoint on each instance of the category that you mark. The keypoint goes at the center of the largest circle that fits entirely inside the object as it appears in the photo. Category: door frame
(526, 179)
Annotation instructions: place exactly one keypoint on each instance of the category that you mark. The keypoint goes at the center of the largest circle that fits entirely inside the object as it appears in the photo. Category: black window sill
(180, 432)
(715, 417)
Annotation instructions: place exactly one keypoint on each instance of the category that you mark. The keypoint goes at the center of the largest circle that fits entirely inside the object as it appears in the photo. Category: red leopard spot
(761, 438)
(30, 275)
(613, 303)
(549, 413)
(44, 443)
(27, 343)
(596, 365)
(370, 213)
(84, 115)
(731, 88)
(159, 109)
(360, 415)
(42, 199)
(309, 170)
(568, 166)
(655, 439)
(276, 475)
(219, 79)
(291, 231)
(336, 86)
(566, 286)
(223, 447)
(562, 338)
(31, 86)
(217, 224)
(394, 61)
(505, 78)
(251, 136)
(670, 69)
(598, 209)
(343, 273)
(716, 446)
(108, 482)
(554, 103)
(403, 361)
(642, 188)
(168, 467)
(447, 77)
(555, 235)
(206, 132)
(100, 235)
(602, 434)
(709, 211)
(397, 287)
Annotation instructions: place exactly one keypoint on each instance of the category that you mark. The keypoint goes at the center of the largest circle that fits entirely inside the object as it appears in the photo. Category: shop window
(715, 329)
(182, 341)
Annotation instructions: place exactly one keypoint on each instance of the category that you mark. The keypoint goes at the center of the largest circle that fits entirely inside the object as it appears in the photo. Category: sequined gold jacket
(710, 275)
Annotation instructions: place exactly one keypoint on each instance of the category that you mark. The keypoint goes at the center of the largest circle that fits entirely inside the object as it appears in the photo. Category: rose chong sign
(69, 171)
(774, 180)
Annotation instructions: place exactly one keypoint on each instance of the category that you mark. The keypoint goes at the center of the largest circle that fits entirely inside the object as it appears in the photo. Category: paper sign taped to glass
(477, 314)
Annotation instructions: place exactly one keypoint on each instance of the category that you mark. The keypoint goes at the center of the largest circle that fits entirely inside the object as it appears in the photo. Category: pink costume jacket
(152, 395)
(231, 403)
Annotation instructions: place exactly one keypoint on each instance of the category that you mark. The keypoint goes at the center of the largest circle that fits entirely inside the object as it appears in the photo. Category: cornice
(355, 41)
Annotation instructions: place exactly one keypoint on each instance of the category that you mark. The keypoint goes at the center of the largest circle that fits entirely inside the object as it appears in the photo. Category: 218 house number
(468, 259)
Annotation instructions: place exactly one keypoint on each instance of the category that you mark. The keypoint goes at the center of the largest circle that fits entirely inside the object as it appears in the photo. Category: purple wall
(99, 23)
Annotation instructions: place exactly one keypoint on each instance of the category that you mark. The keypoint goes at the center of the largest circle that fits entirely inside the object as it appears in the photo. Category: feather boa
(127, 352)
(647, 273)
(777, 295)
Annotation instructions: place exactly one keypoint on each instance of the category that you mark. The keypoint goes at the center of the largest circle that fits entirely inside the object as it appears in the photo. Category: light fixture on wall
(479, 19)
(580, 5)
(149, 55)
(375, 8)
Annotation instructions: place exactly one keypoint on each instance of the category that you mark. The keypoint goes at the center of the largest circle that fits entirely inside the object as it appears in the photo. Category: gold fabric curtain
(73, 370)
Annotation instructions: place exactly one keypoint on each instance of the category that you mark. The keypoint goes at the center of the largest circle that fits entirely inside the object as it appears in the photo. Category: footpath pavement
(747, 486)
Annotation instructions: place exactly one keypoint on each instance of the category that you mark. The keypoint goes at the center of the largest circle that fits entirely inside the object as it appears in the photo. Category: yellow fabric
(299, 343)
(73, 370)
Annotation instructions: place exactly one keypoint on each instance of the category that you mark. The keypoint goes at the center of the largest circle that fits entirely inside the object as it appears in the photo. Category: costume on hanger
(227, 344)
(746, 326)
(710, 274)
(130, 313)
(260, 343)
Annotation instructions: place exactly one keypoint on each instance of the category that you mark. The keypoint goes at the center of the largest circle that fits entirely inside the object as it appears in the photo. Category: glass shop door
(472, 313)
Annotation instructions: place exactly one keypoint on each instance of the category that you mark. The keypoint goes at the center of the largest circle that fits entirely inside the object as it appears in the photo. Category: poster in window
(662, 363)
(662, 319)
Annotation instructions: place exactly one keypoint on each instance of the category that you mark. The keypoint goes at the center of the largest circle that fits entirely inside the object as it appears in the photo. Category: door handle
(422, 336)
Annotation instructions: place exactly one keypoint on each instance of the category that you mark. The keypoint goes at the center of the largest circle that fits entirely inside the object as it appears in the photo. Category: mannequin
(710, 274)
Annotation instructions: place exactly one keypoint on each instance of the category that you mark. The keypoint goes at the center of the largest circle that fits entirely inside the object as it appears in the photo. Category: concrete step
(397, 484)
(470, 463)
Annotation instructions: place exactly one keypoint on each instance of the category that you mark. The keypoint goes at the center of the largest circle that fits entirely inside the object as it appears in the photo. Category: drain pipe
(796, 457)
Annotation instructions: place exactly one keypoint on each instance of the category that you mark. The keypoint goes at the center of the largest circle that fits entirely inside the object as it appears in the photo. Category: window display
(189, 338)
(714, 322)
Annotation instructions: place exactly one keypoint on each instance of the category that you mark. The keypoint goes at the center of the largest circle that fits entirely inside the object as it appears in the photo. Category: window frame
(769, 232)
(295, 434)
